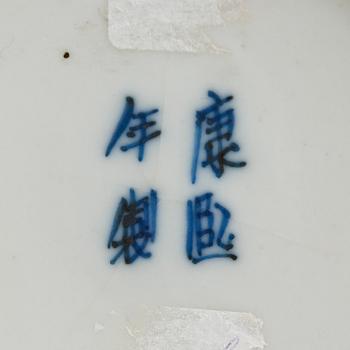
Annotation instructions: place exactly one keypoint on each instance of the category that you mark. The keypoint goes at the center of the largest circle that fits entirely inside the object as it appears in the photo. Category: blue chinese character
(138, 130)
(218, 124)
(134, 226)
(205, 240)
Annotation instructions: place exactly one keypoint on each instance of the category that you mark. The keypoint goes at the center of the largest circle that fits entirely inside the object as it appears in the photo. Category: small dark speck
(66, 55)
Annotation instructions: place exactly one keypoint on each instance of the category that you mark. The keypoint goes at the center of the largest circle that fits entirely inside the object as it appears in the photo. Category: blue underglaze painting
(134, 227)
(138, 127)
(206, 230)
(214, 127)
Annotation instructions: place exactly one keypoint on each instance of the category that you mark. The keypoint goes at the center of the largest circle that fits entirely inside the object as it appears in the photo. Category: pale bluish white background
(289, 72)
